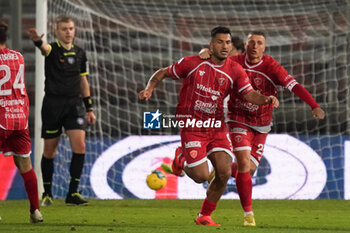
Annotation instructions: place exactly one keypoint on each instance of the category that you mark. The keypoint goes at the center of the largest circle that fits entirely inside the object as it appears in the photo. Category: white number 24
(19, 80)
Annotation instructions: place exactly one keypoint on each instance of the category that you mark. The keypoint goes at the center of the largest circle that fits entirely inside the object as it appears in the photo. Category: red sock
(31, 185)
(244, 187)
(207, 207)
(234, 170)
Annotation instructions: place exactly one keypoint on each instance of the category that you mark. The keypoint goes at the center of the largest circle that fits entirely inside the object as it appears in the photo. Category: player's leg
(221, 162)
(220, 154)
(19, 145)
(50, 132)
(31, 185)
(244, 185)
(77, 139)
(47, 168)
(75, 123)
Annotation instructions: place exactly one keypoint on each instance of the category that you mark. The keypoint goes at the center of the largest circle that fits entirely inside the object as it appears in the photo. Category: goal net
(127, 40)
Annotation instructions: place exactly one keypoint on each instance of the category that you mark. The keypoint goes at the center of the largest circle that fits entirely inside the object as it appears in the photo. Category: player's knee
(223, 175)
(49, 154)
(23, 164)
(199, 178)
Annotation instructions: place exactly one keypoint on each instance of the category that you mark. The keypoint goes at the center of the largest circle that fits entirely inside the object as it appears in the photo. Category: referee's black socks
(47, 172)
(76, 167)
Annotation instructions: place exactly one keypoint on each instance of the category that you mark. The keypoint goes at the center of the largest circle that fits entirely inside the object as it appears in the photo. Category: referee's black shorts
(58, 112)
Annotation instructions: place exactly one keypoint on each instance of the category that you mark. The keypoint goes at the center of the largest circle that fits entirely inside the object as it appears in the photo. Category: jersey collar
(251, 66)
(59, 44)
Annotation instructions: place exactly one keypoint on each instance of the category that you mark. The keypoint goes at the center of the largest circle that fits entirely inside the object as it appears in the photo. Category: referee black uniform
(63, 105)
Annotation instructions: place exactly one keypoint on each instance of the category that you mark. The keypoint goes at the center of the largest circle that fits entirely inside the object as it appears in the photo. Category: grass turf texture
(132, 215)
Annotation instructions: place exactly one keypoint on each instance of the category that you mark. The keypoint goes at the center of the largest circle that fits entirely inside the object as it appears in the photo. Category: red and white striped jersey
(14, 103)
(205, 85)
(264, 76)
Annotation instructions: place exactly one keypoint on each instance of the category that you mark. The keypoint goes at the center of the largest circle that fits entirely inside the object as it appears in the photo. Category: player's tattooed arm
(153, 82)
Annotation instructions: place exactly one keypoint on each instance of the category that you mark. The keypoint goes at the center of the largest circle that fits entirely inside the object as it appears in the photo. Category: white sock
(246, 213)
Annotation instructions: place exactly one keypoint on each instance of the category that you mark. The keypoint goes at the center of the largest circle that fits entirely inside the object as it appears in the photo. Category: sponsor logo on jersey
(4, 103)
(247, 106)
(209, 108)
(193, 144)
(207, 89)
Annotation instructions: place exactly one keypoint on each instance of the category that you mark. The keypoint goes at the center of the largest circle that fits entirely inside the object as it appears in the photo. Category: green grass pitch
(142, 216)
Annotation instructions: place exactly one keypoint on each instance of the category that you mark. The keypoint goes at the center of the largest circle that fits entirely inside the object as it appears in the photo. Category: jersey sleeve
(84, 66)
(283, 77)
(242, 81)
(180, 69)
(51, 45)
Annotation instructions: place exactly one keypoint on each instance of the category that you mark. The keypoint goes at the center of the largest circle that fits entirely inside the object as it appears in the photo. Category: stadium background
(126, 41)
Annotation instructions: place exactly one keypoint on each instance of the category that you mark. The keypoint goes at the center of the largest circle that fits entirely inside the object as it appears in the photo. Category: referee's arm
(85, 92)
(37, 39)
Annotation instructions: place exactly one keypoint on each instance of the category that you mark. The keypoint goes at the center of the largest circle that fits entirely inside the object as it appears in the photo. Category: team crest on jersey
(238, 138)
(257, 81)
(222, 81)
(214, 97)
(201, 72)
(71, 60)
(193, 153)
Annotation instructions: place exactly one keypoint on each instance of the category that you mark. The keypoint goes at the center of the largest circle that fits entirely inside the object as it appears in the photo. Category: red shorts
(196, 146)
(15, 142)
(246, 138)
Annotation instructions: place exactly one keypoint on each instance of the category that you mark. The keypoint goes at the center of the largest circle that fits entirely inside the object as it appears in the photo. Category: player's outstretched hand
(273, 100)
(145, 94)
(204, 53)
(91, 118)
(34, 35)
(318, 113)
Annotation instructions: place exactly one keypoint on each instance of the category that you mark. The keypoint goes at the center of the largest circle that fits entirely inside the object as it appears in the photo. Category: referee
(66, 93)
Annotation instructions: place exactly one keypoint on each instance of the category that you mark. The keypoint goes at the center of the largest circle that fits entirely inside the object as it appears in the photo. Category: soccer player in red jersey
(205, 83)
(14, 111)
(248, 123)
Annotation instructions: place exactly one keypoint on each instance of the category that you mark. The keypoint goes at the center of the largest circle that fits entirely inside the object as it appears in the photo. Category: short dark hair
(63, 19)
(3, 32)
(220, 30)
(238, 43)
(259, 33)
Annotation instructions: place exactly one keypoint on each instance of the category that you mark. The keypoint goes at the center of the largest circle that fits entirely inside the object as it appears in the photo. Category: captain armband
(88, 103)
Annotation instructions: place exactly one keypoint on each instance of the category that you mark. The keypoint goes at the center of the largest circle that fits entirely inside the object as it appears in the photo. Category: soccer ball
(156, 180)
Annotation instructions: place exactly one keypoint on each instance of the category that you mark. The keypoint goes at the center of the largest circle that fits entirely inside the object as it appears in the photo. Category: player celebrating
(66, 86)
(14, 111)
(204, 86)
(249, 124)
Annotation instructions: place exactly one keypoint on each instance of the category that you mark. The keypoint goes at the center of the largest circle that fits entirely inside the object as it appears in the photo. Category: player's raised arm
(255, 97)
(153, 82)
(38, 42)
(305, 96)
